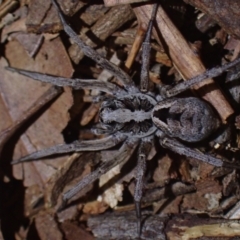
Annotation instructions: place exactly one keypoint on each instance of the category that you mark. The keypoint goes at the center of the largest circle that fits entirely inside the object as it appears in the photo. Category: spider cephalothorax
(132, 116)
(129, 115)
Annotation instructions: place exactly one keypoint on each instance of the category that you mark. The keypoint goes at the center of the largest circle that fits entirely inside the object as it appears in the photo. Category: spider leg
(181, 149)
(146, 48)
(75, 83)
(143, 151)
(77, 146)
(121, 156)
(95, 56)
(181, 87)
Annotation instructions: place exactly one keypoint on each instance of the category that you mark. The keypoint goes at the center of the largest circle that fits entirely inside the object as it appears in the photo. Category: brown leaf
(73, 232)
(30, 41)
(161, 173)
(68, 214)
(44, 99)
(118, 2)
(233, 46)
(47, 227)
(16, 26)
(95, 207)
(168, 207)
(42, 17)
(205, 198)
(20, 92)
(70, 7)
(33, 194)
(38, 11)
(230, 183)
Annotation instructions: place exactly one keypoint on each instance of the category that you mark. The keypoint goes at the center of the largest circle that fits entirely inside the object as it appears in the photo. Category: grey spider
(133, 117)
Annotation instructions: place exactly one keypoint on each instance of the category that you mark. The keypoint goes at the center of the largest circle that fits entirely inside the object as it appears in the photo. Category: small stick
(136, 46)
(7, 6)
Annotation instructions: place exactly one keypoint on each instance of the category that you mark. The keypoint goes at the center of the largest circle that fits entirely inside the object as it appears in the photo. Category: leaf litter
(31, 41)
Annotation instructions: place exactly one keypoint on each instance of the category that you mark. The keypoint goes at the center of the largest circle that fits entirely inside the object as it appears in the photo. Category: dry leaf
(47, 227)
(47, 129)
(74, 232)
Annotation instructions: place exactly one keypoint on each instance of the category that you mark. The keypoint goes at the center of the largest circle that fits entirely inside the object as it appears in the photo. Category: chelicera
(134, 117)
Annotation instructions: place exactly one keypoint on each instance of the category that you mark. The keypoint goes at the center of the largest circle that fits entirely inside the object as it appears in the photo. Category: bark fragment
(225, 13)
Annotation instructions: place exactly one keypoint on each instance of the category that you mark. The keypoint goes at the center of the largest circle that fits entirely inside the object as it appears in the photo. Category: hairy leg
(77, 146)
(95, 56)
(181, 149)
(167, 92)
(143, 152)
(122, 155)
(75, 83)
(146, 48)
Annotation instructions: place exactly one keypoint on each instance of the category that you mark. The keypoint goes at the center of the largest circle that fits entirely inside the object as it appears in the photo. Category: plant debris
(177, 191)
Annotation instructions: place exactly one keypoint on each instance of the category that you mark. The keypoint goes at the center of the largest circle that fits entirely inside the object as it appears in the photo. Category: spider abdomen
(189, 119)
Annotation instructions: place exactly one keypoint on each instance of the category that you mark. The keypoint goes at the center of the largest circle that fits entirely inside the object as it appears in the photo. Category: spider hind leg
(181, 149)
(123, 155)
(143, 151)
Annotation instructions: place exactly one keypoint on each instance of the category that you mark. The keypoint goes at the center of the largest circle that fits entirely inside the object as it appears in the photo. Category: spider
(134, 117)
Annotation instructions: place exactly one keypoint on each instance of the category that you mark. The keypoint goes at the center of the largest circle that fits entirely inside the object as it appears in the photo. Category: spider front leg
(143, 151)
(77, 146)
(167, 92)
(146, 48)
(95, 56)
(124, 153)
(92, 84)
